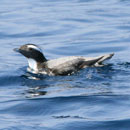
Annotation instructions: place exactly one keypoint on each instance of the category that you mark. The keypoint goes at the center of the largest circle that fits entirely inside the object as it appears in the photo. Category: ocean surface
(91, 99)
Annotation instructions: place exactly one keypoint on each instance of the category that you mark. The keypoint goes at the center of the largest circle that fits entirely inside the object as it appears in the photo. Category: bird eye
(30, 49)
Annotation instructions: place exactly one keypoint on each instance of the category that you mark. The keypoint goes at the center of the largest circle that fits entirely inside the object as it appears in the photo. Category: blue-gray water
(94, 98)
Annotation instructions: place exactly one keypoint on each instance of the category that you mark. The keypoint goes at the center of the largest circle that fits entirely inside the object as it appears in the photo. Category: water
(94, 98)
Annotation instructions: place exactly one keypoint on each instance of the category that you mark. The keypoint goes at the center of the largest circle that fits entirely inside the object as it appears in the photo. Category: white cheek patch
(35, 47)
(32, 64)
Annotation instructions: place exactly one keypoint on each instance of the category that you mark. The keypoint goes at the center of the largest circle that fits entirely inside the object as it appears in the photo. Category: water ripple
(93, 98)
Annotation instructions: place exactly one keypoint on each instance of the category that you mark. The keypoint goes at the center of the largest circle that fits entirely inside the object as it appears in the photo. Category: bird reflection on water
(93, 83)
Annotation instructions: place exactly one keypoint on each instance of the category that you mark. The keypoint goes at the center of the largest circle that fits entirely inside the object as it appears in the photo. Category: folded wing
(68, 65)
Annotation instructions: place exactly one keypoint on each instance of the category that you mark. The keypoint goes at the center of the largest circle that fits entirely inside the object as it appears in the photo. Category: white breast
(32, 64)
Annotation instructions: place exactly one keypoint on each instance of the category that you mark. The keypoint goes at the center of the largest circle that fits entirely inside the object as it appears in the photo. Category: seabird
(38, 64)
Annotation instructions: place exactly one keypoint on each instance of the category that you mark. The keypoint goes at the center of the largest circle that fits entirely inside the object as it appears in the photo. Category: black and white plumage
(62, 66)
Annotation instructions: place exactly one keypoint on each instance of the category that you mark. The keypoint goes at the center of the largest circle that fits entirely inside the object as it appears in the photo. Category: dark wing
(73, 65)
(68, 67)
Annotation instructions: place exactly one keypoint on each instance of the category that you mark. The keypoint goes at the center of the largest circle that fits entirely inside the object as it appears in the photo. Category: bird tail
(97, 61)
(104, 58)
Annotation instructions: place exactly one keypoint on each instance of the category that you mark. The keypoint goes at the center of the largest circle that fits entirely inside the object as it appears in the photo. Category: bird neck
(35, 65)
(40, 58)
